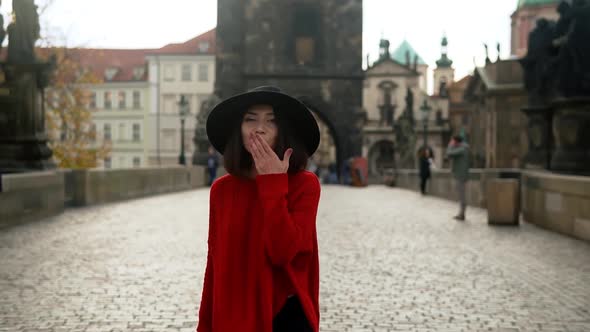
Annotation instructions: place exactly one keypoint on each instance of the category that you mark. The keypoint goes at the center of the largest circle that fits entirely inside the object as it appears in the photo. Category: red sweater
(262, 248)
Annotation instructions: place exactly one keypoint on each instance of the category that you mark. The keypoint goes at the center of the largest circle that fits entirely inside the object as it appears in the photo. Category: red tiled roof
(127, 60)
(192, 46)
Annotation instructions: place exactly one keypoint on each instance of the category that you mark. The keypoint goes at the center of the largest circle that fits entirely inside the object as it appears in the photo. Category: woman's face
(259, 119)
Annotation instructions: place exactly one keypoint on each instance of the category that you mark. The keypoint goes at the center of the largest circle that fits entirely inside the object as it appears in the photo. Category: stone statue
(410, 105)
(487, 53)
(573, 59)
(498, 50)
(200, 138)
(206, 107)
(23, 32)
(538, 61)
(405, 134)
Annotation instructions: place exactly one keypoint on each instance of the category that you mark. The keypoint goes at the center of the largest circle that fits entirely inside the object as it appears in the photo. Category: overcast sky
(136, 24)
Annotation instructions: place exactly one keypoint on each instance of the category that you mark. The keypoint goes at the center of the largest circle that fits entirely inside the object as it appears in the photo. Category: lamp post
(183, 109)
(425, 111)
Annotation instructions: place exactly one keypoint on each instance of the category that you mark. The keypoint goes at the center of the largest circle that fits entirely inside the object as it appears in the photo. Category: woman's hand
(266, 160)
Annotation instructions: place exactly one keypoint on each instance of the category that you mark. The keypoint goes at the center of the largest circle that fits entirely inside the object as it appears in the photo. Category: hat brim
(221, 120)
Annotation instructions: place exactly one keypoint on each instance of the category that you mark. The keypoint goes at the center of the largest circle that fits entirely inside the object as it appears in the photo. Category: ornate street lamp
(183, 110)
(425, 112)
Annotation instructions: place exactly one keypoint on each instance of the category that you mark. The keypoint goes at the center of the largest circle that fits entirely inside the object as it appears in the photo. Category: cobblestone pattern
(391, 260)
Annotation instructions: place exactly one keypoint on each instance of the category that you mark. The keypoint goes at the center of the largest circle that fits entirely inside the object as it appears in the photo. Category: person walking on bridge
(458, 151)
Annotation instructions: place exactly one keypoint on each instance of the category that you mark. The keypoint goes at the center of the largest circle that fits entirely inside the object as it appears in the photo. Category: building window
(203, 46)
(136, 132)
(187, 73)
(121, 162)
(107, 162)
(122, 100)
(203, 72)
(110, 74)
(136, 162)
(92, 102)
(138, 73)
(136, 99)
(107, 132)
(169, 103)
(122, 136)
(108, 103)
(93, 132)
(169, 73)
(306, 26)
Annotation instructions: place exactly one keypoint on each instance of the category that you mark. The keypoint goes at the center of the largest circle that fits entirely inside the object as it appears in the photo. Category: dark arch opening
(320, 110)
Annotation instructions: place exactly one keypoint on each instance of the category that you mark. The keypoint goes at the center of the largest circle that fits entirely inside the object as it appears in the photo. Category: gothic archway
(328, 155)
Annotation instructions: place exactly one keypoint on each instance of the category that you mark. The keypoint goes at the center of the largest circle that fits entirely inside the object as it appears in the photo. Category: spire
(444, 61)
(383, 49)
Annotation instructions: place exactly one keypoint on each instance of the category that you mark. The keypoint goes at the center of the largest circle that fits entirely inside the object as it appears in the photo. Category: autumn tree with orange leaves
(68, 117)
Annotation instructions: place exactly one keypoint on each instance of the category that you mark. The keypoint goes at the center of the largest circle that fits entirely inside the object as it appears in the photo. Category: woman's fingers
(265, 147)
(255, 150)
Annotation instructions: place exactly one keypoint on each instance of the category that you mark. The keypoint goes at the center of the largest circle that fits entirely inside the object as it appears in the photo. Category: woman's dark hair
(458, 138)
(238, 161)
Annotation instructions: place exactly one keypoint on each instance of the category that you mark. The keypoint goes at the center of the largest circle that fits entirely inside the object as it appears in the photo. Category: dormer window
(109, 73)
(138, 73)
(204, 47)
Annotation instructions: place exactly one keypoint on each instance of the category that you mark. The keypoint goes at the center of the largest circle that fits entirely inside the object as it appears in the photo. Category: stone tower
(444, 73)
(311, 49)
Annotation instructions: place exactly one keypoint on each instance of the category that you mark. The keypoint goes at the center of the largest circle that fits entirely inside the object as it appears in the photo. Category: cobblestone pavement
(391, 260)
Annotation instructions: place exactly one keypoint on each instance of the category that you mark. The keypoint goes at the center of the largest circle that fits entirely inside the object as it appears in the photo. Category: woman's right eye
(248, 119)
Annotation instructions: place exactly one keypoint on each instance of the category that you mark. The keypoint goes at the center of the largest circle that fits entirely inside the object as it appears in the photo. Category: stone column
(23, 141)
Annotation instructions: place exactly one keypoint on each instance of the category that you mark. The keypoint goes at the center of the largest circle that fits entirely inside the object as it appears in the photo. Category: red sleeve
(288, 232)
(206, 308)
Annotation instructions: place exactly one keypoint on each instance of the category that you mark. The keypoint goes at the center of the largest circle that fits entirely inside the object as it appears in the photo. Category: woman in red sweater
(262, 271)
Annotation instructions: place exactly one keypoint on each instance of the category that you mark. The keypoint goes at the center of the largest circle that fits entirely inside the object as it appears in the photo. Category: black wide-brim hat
(221, 120)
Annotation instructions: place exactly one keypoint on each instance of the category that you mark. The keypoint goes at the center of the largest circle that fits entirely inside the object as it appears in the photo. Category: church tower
(311, 49)
(444, 73)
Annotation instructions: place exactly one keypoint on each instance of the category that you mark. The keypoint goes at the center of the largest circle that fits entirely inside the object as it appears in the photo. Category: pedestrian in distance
(425, 166)
(262, 272)
(212, 165)
(458, 151)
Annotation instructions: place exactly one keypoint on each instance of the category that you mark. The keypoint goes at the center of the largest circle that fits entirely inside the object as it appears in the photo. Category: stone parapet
(31, 196)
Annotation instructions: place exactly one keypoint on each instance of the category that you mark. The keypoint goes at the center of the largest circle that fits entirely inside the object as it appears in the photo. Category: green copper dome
(523, 3)
(400, 53)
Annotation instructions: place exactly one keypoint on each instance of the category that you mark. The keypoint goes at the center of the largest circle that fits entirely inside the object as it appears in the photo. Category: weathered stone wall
(557, 202)
(34, 196)
(442, 183)
(91, 187)
(31, 196)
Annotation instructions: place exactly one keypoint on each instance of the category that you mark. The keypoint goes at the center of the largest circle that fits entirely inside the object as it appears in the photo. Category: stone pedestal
(539, 137)
(23, 141)
(571, 131)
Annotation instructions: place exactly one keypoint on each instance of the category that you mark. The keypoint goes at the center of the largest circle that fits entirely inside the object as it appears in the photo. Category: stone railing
(560, 203)
(442, 184)
(557, 202)
(33, 196)
(89, 187)
(30, 196)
